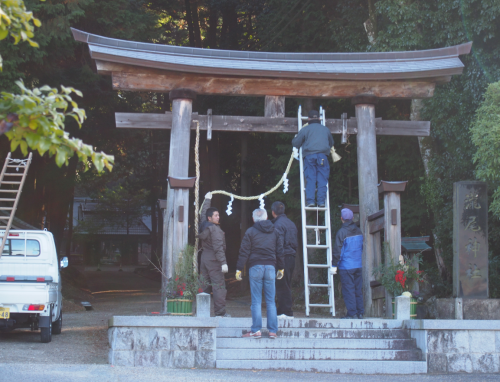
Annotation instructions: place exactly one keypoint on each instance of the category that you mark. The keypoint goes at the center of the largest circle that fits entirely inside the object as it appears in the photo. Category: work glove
(333, 270)
(280, 273)
(208, 195)
(238, 275)
(224, 268)
(296, 153)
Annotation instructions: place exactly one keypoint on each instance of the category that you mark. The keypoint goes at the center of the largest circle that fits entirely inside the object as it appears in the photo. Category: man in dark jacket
(347, 256)
(262, 249)
(316, 141)
(288, 232)
(213, 258)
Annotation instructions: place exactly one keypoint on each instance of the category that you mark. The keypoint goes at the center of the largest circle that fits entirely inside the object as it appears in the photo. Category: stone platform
(368, 346)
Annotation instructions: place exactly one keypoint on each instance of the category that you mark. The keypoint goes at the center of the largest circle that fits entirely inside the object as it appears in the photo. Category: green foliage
(398, 277)
(16, 22)
(185, 283)
(42, 113)
(485, 133)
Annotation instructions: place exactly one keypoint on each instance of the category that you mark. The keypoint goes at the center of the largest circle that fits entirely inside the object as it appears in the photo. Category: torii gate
(186, 72)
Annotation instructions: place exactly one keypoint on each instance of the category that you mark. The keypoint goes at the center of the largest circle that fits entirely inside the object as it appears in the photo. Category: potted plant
(181, 289)
(399, 277)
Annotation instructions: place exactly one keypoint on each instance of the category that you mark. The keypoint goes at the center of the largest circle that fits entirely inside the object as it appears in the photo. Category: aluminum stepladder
(317, 228)
(13, 174)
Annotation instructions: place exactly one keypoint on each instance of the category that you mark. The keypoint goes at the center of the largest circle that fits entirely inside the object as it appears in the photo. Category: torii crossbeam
(186, 72)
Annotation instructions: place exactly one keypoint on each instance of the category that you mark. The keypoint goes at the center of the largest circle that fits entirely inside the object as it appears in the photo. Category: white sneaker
(285, 317)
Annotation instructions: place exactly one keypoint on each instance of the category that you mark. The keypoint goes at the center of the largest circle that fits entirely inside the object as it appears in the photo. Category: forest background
(430, 165)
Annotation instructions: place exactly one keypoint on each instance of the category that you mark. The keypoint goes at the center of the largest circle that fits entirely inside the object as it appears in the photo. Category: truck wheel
(46, 333)
(57, 326)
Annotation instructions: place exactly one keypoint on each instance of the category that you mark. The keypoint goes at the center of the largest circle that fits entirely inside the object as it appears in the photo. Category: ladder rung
(322, 305)
(318, 285)
(10, 182)
(7, 200)
(15, 166)
(16, 191)
(5, 217)
(318, 265)
(6, 208)
(12, 174)
(315, 208)
(317, 246)
(316, 226)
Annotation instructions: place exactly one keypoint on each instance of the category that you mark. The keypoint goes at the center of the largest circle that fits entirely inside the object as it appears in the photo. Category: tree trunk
(425, 152)
(189, 20)
(229, 33)
(196, 26)
(213, 21)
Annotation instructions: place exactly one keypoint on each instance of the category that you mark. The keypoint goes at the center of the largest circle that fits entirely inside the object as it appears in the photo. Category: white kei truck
(30, 283)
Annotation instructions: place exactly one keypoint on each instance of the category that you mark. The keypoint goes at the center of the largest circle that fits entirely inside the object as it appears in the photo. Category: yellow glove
(280, 273)
(238, 275)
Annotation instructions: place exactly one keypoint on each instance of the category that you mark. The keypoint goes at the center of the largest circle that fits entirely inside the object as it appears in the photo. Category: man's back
(261, 245)
(314, 139)
(287, 229)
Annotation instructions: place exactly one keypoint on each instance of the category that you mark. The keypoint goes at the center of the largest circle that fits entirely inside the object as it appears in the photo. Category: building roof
(415, 244)
(423, 64)
(18, 223)
(88, 219)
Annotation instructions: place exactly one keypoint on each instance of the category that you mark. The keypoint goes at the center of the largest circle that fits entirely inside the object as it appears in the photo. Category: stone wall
(456, 346)
(172, 342)
(473, 309)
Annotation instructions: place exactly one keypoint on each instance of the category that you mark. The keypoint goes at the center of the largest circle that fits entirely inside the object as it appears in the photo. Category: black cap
(313, 114)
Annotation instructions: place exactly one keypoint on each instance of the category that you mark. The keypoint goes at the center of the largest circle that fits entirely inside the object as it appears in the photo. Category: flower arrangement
(185, 283)
(398, 278)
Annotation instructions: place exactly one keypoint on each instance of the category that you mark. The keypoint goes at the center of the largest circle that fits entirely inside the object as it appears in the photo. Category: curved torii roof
(431, 66)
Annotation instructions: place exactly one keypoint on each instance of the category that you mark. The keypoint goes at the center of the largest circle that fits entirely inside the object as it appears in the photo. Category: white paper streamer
(229, 210)
(261, 200)
(285, 183)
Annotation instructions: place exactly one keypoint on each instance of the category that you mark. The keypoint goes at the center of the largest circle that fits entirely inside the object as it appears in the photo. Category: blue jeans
(352, 290)
(263, 275)
(316, 169)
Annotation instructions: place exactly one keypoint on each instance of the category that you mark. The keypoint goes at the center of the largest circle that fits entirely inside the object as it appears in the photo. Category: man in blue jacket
(347, 257)
(316, 141)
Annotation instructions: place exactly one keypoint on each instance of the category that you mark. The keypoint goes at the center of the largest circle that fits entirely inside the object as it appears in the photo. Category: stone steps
(320, 354)
(322, 333)
(370, 346)
(292, 343)
(339, 367)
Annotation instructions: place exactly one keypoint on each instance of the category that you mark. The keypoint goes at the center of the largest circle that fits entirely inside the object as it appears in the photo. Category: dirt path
(84, 337)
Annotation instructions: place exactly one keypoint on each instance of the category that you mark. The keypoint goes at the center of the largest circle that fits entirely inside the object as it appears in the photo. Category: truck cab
(30, 283)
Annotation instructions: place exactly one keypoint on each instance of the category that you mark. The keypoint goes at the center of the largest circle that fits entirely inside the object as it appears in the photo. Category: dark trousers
(352, 290)
(316, 169)
(284, 288)
(211, 270)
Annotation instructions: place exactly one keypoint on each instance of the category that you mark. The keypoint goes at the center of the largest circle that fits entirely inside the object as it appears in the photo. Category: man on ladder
(316, 141)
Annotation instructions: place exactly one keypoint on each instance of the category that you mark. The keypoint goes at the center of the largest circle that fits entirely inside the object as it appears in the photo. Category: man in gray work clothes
(213, 258)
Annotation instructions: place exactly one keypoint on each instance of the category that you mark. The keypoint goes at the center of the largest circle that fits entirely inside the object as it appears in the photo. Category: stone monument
(470, 240)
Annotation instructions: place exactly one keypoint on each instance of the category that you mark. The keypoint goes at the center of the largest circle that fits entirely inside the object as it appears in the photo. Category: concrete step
(322, 333)
(320, 354)
(297, 343)
(328, 323)
(344, 367)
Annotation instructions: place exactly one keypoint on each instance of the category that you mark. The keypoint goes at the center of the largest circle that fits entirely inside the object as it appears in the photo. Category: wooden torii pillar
(364, 77)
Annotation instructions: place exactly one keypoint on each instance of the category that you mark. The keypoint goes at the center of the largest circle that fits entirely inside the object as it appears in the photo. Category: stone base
(473, 309)
(172, 342)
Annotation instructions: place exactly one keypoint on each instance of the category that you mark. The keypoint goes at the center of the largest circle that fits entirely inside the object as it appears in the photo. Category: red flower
(181, 293)
(177, 278)
(400, 278)
(200, 290)
(419, 272)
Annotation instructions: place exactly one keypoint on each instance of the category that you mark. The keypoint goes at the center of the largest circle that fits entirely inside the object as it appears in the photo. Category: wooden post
(274, 106)
(368, 193)
(175, 218)
(392, 228)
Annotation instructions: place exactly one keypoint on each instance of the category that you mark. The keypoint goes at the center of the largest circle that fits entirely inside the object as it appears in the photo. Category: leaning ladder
(12, 180)
(314, 213)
